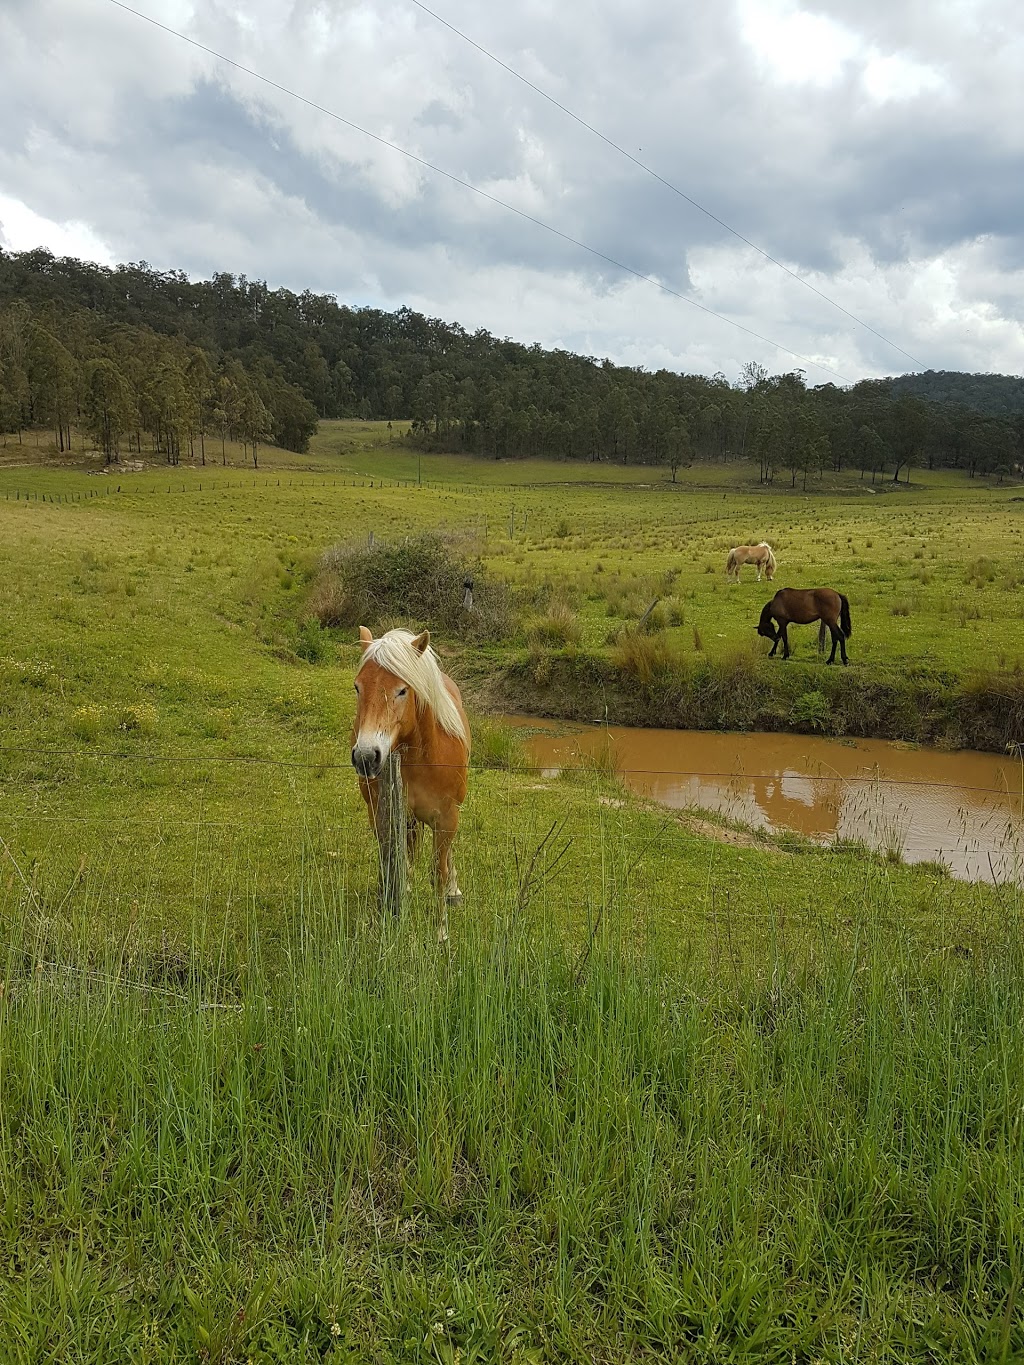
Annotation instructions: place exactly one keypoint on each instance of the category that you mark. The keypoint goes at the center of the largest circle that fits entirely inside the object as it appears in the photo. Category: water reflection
(963, 809)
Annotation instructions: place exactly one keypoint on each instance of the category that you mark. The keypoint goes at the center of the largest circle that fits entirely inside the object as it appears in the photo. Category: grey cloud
(194, 166)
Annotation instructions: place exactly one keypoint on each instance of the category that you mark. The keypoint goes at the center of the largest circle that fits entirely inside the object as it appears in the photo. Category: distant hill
(128, 350)
(994, 395)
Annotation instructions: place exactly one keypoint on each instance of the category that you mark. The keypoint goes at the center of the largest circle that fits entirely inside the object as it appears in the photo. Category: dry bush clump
(419, 581)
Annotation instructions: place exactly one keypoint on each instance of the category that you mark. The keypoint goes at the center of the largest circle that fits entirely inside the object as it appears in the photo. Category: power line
(667, 183)
(465, 184)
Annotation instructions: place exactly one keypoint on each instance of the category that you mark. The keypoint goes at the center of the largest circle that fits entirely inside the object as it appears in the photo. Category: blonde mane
(422, 672)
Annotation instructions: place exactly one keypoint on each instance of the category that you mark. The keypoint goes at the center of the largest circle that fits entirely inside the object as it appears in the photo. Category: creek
(962, 809)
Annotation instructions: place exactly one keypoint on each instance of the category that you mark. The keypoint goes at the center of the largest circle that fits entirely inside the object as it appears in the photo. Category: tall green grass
(523, 1147)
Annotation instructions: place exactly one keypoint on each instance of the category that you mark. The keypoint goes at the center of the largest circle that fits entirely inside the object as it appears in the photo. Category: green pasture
(663, 1097)
(934, 572)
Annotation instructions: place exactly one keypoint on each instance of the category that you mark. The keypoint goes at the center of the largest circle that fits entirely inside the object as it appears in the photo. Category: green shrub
(656, 619)
(646, 657)
(558, 626)
(86, 722)
(812, 709)
(139, 718)
(497, 746)
(312, 644)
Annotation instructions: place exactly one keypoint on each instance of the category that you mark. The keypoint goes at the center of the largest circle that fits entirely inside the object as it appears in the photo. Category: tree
(872, 451)
(910, 426)
(769, 440)
(173, 408)
(53, 382)
(107, 407)
(292, 416)
(679, 448)
(202, 391)
(258, 424)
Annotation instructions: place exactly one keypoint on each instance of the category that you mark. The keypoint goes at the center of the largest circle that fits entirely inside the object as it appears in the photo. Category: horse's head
(766, 626)
(385, 708)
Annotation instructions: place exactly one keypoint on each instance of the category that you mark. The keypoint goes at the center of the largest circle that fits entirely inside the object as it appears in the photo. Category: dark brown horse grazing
(801, 606)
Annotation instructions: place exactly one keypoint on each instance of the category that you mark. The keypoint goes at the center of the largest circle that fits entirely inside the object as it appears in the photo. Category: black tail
(844, 616)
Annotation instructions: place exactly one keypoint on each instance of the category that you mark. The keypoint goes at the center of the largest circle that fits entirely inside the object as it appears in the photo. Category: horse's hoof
(453, 898)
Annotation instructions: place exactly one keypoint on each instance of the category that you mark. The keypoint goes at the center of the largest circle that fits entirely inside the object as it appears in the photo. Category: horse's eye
(401, 692)
(356, 686)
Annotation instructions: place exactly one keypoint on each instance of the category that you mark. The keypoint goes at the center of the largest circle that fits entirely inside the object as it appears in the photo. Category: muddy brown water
(962, 809)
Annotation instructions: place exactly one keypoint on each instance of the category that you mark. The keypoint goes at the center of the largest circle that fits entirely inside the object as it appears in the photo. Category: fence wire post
(392, 844)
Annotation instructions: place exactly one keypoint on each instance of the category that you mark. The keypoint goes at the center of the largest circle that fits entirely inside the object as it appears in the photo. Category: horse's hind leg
(842, 647)
(837, 636)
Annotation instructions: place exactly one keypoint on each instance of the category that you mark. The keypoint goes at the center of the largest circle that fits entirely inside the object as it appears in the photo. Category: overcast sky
(876, 148)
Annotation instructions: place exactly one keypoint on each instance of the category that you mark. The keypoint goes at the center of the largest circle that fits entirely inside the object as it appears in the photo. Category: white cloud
(898, 78)
(795, 46)
(21, 229)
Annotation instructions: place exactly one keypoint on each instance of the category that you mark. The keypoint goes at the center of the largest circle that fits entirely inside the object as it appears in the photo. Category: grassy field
(933, 573)
(665, 1098)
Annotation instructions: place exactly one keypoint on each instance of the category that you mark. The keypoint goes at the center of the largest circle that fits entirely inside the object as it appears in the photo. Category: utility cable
(457, 180)
(667, 183)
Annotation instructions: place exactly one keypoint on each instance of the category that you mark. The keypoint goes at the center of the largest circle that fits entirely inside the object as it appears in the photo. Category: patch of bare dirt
(737, 838)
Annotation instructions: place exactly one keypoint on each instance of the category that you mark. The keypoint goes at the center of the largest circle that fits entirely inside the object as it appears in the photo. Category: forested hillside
(995, 395)
(125, 349)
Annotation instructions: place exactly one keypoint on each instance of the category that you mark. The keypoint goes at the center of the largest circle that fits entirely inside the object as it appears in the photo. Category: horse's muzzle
(367, 760)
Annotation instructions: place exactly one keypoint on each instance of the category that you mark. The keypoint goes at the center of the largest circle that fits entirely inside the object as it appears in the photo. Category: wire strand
(261, 760)
(466, 184)
(662, 180)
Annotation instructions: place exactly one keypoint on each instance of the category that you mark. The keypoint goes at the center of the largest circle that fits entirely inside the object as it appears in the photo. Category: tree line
(69, 367)
(277, 360)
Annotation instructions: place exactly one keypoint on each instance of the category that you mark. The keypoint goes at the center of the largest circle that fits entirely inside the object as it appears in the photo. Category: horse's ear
(421, 641)
(365, 636)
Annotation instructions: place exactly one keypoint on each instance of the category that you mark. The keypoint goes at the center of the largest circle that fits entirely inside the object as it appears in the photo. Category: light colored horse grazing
(761, 556)
(406, 705)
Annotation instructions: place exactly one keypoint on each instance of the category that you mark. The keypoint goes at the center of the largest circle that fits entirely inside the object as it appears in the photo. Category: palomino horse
(801, 606)
(761, 556)
(405, 704)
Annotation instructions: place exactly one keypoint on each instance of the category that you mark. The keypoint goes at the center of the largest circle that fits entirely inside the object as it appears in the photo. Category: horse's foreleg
(445, 879)
(412, 840)
(784, 637)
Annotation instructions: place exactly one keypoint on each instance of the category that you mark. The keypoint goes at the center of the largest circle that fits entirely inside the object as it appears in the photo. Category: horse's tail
(730, 563)
(821, 637)
(844, 616)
